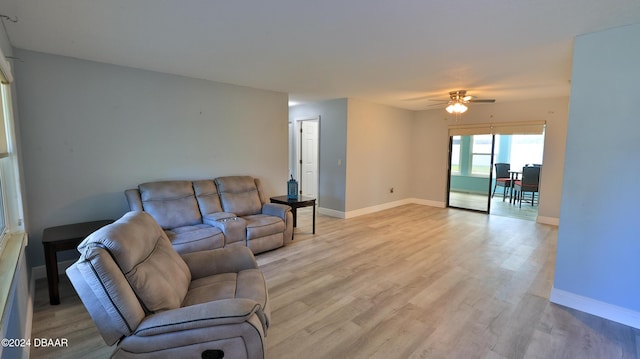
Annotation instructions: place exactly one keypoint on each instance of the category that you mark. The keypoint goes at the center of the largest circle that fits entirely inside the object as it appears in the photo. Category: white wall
(333, 148)
(598, 257)
(431, 143)
(389, 147)
(378, 153)
(364, 151)
(430, 148)
(90, 130)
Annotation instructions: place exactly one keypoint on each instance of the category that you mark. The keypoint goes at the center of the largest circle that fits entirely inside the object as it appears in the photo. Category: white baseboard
(376, 208)
(331, 212)
(426, 202)
(40, 272)
(548, 220)
(379, 207)
(595, 307)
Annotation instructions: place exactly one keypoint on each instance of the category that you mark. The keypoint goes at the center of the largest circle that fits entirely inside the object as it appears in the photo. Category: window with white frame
(4, 158)
(481, 155)
(456, 142)
(11, 218)
(526, 150)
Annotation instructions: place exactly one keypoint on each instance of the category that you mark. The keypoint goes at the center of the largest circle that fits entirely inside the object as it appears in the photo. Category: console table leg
(51, 263)
(294, 210)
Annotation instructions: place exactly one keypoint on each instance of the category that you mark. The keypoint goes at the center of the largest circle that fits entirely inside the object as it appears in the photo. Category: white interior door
(309, 138)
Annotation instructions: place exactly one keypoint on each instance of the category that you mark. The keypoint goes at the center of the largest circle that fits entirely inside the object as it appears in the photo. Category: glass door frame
(491, 165)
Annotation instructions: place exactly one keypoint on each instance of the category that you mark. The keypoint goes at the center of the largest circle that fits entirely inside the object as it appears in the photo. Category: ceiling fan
(459, 99)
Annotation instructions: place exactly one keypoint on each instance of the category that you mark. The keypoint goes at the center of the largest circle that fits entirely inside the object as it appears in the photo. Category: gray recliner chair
(155, 303)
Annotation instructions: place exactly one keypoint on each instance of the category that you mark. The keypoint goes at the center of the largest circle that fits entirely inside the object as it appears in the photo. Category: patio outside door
(473, 150)
(470, 171)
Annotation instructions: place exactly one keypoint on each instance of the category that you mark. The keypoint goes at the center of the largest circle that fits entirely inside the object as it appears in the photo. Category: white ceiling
(394, 52)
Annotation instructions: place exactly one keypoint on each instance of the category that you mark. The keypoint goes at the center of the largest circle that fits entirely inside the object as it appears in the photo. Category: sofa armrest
(134, 199)
(219, 312)
(215, 261)
(276, 209)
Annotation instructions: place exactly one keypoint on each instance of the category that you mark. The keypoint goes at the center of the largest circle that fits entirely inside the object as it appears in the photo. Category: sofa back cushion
(239, 195)
(171, 203)
(207, 197)
(143, 254)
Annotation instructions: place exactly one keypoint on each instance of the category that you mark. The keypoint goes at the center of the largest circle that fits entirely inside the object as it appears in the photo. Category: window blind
(468, 130)
(4, 151)
(518, 128)
(500, 128)
(6, 78)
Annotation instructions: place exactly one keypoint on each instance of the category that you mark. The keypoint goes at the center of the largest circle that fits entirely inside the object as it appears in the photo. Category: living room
(88, 130)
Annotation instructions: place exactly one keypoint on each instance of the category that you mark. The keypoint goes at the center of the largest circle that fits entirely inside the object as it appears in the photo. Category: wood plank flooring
(409, 282)
(498, 206)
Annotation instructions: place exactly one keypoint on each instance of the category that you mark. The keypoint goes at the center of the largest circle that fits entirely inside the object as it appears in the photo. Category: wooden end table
(61, 238)
(295, 203)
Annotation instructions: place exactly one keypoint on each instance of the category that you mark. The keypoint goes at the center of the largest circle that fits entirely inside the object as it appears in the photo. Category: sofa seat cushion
(194, 238)
(248, 284)
(260, 225)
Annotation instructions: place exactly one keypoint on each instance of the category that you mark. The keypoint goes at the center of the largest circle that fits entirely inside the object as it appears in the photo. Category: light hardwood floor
(499, 207)
(409, 282)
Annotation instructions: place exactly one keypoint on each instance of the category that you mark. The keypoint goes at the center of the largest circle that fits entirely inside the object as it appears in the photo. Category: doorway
(307, 156)
(518, 151)
(470, 175)
(473, 153)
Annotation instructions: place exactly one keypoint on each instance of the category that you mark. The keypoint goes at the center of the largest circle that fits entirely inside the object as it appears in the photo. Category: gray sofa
(154, 303)
(208, 214)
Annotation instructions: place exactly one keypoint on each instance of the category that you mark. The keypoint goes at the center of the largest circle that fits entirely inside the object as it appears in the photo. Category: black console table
(60, 238)
(295, 203)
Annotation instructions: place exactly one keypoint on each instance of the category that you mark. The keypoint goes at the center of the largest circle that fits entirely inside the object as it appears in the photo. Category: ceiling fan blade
(423, 98)
(487, 100)
(459, 96)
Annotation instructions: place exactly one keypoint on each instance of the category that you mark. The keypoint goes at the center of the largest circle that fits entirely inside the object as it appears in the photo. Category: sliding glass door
(473, 152)
(471, 160)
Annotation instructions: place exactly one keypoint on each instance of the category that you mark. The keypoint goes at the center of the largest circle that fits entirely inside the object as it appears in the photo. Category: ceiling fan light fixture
(456, 107)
